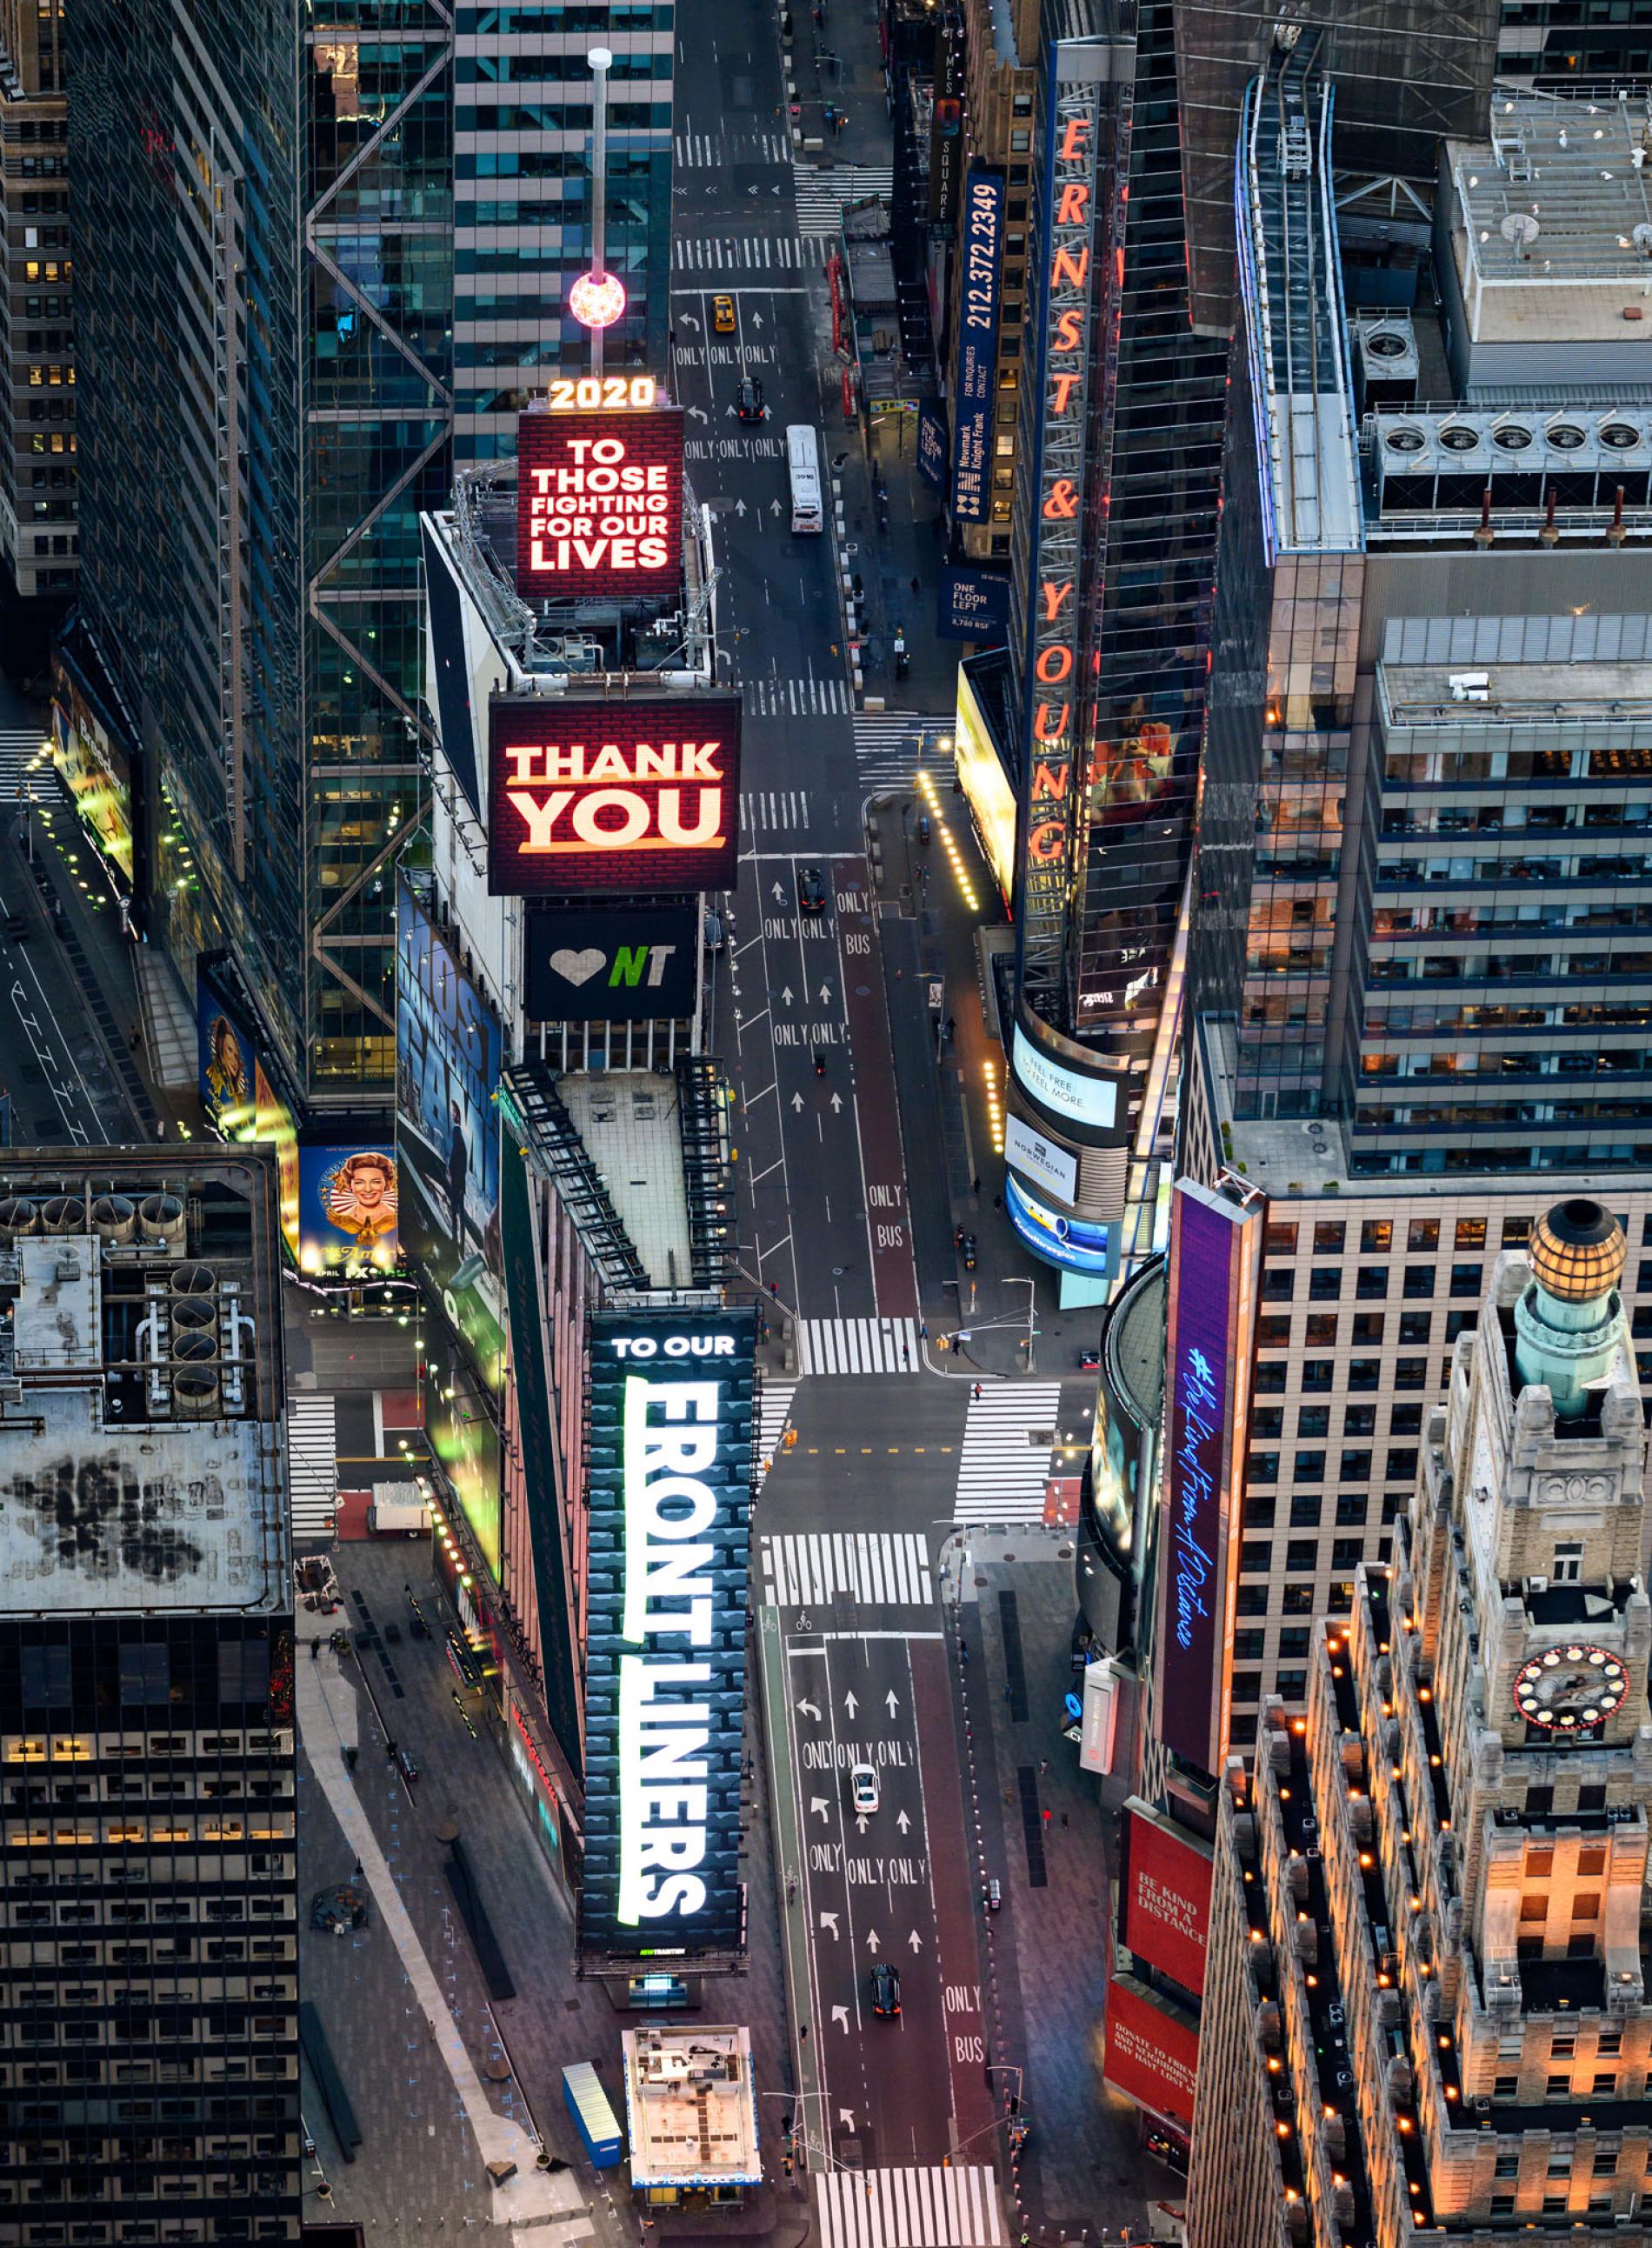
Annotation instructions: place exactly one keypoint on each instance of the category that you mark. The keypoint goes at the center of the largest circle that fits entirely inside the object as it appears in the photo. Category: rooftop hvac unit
(1385, 366)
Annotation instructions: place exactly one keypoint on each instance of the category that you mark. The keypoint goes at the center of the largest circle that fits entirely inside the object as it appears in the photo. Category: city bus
(803, 460)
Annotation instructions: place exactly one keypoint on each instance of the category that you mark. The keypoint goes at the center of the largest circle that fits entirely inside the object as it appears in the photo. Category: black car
(811, 890)
(748, 400)
(1089, 1360)
(393, 1634)
(886, 1990)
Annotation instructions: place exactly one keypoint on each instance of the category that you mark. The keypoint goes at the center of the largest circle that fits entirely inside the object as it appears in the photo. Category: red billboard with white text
(613, 799)
(1164, 1893)
(1152, 2051)
(599, 502)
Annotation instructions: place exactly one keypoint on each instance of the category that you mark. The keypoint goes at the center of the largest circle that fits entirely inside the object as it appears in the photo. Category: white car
(863, 1787)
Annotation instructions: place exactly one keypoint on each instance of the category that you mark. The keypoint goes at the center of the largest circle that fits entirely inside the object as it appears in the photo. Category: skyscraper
(1425, 2004)
(264, 224)
(37, 333)
(148, 1986)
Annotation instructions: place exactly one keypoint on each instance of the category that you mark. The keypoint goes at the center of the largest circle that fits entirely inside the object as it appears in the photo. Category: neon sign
(633, 798)
(599, 494)
(669, 1492)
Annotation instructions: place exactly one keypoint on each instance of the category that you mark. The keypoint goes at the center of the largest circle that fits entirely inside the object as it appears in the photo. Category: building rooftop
(1551, 219)
(1513, 694)
(1293, 311)
(1136, 1343)
(691, 2108)
(630, 1122)
(141, 1461)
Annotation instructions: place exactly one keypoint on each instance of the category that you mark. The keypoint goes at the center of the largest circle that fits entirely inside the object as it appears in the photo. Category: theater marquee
(613, 799)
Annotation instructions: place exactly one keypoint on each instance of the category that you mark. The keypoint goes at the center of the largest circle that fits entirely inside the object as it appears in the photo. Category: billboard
(1075, 1244)
(977, 343)
(240, 1101)
(599, 496)
(1214, 1252)
(985, 784)
(945, 123)
(349, 1202)
(615, 964)
(973, 605)
(448, 1060)
(932, 443)
(613, 799)
(459, 1428)
(1164, 1896)
(1152, 2051)
(1040, 1159)
(669, 1501)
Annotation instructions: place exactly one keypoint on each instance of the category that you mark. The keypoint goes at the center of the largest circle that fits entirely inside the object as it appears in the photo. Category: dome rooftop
(1578, 1251)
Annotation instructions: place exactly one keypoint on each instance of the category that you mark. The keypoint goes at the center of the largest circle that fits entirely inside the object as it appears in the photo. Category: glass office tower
(263, 218)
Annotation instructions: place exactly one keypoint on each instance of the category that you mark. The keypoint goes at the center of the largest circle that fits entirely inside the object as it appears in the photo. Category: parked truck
(594, 2120)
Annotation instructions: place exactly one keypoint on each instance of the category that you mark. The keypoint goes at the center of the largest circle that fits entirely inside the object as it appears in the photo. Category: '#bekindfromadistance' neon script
(1199, 1398)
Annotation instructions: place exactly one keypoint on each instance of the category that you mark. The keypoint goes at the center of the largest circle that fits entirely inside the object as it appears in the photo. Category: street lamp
(1021, 1280)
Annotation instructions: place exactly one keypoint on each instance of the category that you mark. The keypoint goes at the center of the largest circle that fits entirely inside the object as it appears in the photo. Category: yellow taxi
(722, 315)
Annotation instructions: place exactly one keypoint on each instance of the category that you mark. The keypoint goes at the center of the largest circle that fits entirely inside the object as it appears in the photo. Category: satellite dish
(1520, 228)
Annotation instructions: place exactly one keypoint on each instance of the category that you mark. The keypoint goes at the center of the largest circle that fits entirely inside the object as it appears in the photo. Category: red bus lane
(957, 1889)
(877, 1111)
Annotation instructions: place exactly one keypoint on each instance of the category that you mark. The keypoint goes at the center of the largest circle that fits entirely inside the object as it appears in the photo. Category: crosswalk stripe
(933, 2206)
(865, 1346)
(746, 253)
(774, 1410)
(313, 1463)
(821, 196)
(26, 763)
(1002, 1473)
(712, 151)
(781, 810)
(806, 1568)
(793, 698)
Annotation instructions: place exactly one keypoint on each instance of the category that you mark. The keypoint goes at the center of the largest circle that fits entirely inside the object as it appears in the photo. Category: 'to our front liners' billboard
(613, 799)
(1214, 1246)
(1164, 1895)
(600, 504)
(669, 1495)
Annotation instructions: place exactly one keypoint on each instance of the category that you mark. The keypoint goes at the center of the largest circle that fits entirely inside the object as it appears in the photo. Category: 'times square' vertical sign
(670, 1510)
(1214, 1251)
(1077, 171)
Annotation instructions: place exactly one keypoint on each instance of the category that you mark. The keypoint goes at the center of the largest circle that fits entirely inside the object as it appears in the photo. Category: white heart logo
(578, 967)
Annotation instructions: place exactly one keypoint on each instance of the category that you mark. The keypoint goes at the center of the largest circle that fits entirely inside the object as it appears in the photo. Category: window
(1458, 1323)
(1347, 1553)
(1293, 1685)
(1470, 1233)
(1351, 1508)
(1301, 1553)
(1267, 1421)
(1328, 1238)
(1410, 1372)
(1252, 1600)
(1319, 1373)
(1250, 1646)
(1280, 1241)
(1355, 1466)
(1321, 1330)
(1402, 1460)
(1591, 1799)
(1371, 1281)
(1325, 1282)
(1591, 1861)
(1270, 1377)
(1568, 1563)
(45, 1677)
(1516, 1232)
(1504, 2088)
(1610, 2041)
(1293, 1640)
(1298, 1599)
(1539, 1863)
(1359, 1420)
(1313, 1421)
(1422, 1235)
(1304, 1510)
(1585, 1905)
(1405, 1421)
(1419, 1280)
(1340, 1599)
(1580, 1947)
(1273, 1330)
(1308, 1467)
(1539, 1802)
(1535, 1908)
(1278, 1281)
(1367, 1327)
(1466, 1279)
(1365, 1373)
(1376, 1238)
(146, 1676)
(1263, 1467)
(1258, 1511)
(1247, 1685)
(1256, 1557)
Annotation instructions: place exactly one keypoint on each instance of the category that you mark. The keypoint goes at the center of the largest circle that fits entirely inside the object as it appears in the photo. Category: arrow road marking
(699, 414)
(893, 1700)
(818, 1803)
(846, 2116)
(915, 1941)
(780, 895)
(689, 320)
(903, 1822)
(796, 1102)
(739, 507)
(810, 1709)
(841, 2016)
(826, 995)
(850, 1704)
(774, 507)
(861, 1822)
(757, 318)
(872, 1941)
(786, 996)
(829, 1921)
(837, 1103)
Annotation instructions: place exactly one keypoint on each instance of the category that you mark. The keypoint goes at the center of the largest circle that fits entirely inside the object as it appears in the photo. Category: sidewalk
(1045, 1836)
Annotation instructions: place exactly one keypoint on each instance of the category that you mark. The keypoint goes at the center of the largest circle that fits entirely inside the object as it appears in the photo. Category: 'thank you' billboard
(669, 1492)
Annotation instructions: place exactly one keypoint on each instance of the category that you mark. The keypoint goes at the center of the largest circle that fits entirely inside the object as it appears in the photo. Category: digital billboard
(977, 343)
(460, 1430)
(932, 443)
(1214, 1248)
(448, 1060)
(1152, 2051)
(669, 1504)
(240, 1101)
(599, 497)
(973, 605)
(349, 1203)
(609, 963)
(1164, 1896)
(613, 799)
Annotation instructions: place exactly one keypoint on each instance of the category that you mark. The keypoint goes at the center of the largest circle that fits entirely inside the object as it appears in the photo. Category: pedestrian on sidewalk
(1044, 1766)
(917, 589)
(1044, 1815)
